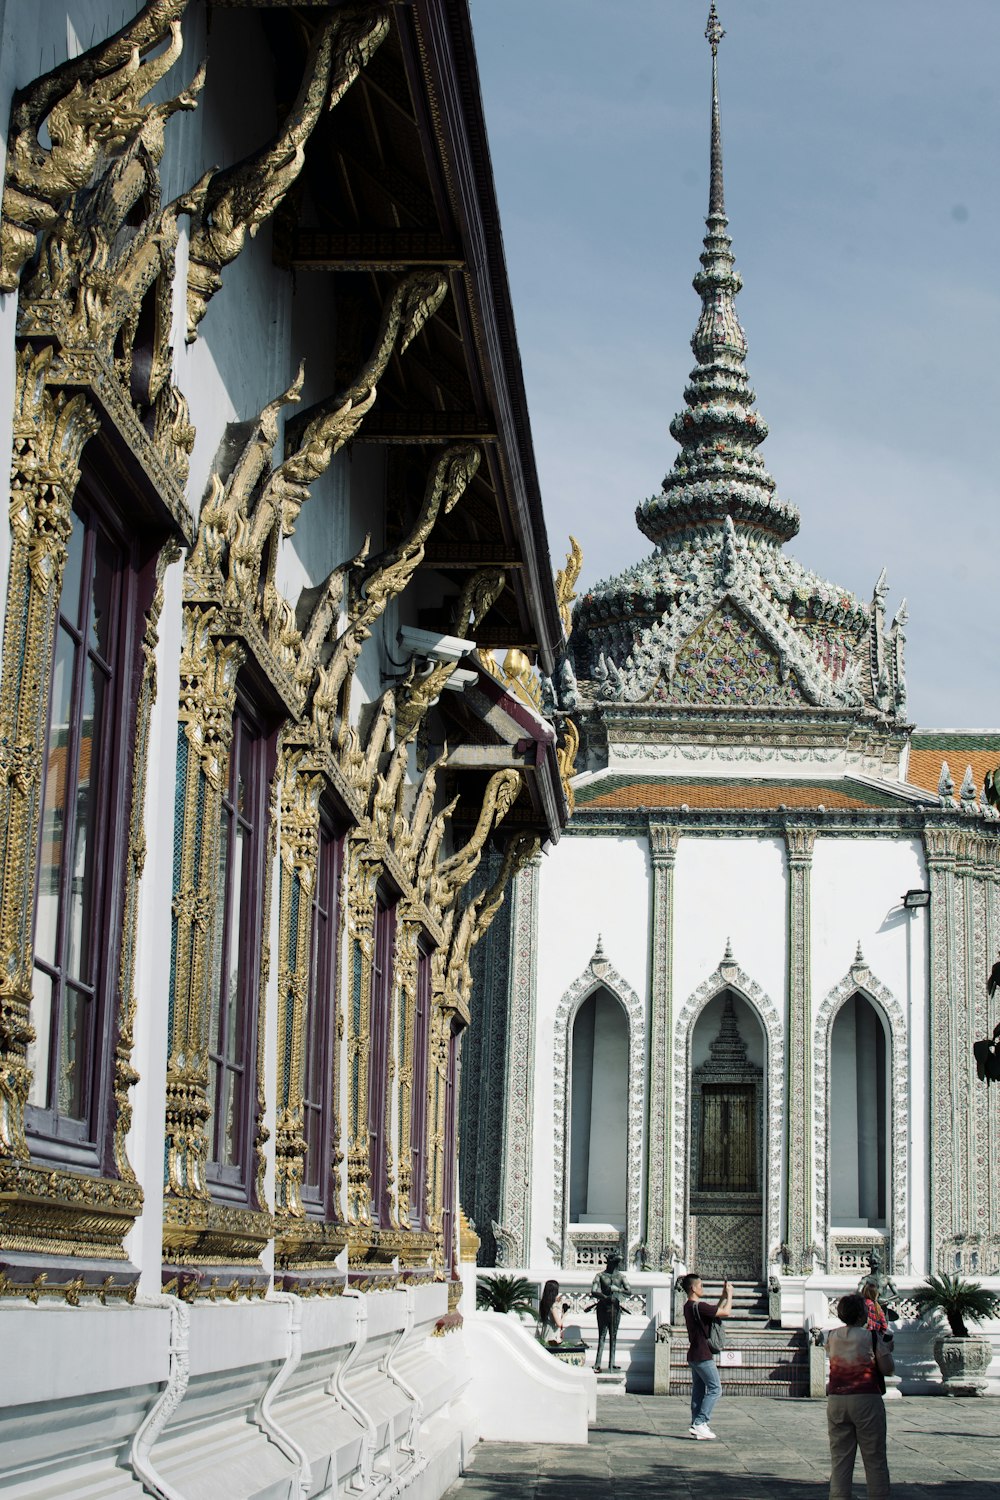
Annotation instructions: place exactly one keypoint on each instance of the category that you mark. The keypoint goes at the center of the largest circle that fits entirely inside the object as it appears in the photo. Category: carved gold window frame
(306, 1245)
(45, 1210)
(202, 1231)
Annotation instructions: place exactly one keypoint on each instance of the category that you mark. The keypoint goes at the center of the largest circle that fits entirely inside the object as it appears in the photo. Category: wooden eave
(398, 178)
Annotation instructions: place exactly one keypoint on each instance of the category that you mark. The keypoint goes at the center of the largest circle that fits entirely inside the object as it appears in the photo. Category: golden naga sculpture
(328, 426)
(322, 734)
(390, 572)
(566, 759)
(92, 107)
(243, 197)
(565, 581)
(104, 295)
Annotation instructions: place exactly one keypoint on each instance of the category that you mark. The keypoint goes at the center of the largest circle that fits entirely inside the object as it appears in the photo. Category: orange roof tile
(741, 795)
(927, 751)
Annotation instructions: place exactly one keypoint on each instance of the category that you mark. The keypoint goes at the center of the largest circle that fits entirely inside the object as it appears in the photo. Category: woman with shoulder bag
(700, 1318)
(860, 1359)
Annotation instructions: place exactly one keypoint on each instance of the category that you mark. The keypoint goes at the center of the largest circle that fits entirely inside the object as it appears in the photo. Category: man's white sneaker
(703, 1432)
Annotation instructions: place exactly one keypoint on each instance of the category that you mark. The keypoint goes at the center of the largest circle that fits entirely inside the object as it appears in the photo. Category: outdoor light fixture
(913, 899)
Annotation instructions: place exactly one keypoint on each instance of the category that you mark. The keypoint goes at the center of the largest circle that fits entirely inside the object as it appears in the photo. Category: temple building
(726, 1024)
(276, 595)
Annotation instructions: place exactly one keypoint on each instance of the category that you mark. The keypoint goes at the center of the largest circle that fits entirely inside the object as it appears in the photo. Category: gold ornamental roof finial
(713, 31)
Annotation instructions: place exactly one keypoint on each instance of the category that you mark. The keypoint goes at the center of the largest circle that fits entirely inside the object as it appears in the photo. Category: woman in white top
(550, 1315)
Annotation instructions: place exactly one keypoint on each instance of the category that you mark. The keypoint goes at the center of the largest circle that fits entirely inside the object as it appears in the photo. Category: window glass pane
(82, 893)
(218, 933)
(38, 1050)
(99, 625)
(234, 1000)
(69, 599)
(73, 1054)
(54, 806)
(227, 1118)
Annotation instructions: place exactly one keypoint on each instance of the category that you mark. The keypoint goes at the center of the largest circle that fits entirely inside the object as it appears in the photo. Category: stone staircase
(773, 1361)
(749, 1301)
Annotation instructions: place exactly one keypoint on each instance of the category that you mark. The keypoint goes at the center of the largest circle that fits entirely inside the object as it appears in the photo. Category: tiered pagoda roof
(719, 617)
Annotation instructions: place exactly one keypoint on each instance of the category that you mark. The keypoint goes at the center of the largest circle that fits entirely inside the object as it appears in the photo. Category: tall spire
(716, 197)
(718, 471)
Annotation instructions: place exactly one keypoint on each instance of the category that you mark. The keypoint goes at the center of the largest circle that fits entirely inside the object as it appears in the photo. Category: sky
(861, 144)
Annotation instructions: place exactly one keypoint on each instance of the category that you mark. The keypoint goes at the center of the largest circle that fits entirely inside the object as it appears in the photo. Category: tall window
(450, 1149)
(318, 1022)
(378, 1054)
(83, 838)
(418, 1092)
(236, 959)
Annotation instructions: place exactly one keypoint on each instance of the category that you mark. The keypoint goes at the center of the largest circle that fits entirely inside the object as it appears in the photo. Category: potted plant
(963, 1358)
(505, 1294)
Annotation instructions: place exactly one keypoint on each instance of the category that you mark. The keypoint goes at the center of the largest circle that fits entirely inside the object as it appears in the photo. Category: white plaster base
(520, 1394)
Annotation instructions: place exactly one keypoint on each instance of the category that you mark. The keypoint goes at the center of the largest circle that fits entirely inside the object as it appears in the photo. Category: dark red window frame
(418, 1091)
(380, 1018)
(98, 636)
(320, 1021)
(232, 1041)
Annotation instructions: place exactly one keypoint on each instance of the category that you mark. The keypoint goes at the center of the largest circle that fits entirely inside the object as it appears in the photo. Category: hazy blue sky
(862, 166)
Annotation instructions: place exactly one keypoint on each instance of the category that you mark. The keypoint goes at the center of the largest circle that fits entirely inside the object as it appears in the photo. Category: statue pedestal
(661, 1361)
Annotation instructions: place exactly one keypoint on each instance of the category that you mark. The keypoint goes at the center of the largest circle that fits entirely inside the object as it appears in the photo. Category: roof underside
(397, 178)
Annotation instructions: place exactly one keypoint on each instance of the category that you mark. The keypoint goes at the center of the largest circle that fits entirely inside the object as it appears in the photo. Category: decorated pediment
(727, 641)
(728, 661)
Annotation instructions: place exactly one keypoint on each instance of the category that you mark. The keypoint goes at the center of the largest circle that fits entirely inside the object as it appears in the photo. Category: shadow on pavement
(666, 1483)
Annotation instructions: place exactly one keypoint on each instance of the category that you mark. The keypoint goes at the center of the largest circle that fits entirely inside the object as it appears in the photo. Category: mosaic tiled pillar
(945, 1154)
(799, 1174)
(991, 1122)
(513, 1238)
(661, 1233)
(964, 1200)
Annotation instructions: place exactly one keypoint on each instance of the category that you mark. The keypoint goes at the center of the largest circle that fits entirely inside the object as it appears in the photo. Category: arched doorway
(726, 1165)
(860, 1126)
(598, 1113)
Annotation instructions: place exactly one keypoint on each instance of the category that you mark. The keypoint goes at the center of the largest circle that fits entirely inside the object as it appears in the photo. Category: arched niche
(730, 978)
(602, 996)
(726, 1164)
(861, 1123)
(598, 1111)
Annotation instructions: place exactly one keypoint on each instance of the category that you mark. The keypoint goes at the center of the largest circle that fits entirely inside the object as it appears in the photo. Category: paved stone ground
(939, 1449)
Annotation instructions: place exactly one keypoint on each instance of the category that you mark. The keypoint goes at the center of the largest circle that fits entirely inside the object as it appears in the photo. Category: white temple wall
(730, 889)
(588, 888)
(857, 890)
(145, 1144)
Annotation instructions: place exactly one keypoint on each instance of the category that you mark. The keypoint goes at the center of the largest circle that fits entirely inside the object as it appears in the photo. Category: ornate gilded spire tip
(713, 31)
